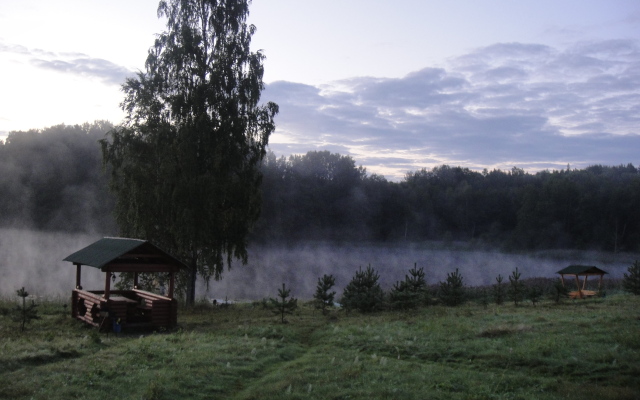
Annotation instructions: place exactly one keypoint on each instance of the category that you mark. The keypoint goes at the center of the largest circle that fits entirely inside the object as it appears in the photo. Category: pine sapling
(498, 290)
(410, 293)
(560, 291)
(25, 314)
(283, 305)
(363, 293)
(323, 297)
(452, 290)
(516, 288)
(535, 293)
(631, 281)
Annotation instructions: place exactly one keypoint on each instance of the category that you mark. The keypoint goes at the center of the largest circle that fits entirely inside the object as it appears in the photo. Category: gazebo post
(600, 283)
(78, 276)
(584, 283)
(562, 279)
(172, 279)
(135, 280)
(107, 285)
(578, 286)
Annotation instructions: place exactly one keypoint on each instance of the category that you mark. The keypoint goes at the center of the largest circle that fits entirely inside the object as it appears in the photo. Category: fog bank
(300, 267)
(34, 260)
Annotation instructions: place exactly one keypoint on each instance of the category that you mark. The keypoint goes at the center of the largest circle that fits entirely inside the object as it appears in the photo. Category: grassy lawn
(584, 349)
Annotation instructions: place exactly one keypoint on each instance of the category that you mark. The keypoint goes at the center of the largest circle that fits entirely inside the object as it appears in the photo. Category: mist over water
(300, 267)
(33, 259)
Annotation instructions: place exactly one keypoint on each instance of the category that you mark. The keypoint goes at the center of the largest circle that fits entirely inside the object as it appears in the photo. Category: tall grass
(583, 349)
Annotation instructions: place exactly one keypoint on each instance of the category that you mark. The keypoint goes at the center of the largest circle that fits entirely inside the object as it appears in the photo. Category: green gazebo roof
(122, 255)
(581, 270)
(104, 251)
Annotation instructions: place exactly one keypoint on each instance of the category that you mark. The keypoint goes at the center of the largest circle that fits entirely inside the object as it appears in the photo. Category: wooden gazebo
(124, 308)
(582, 270)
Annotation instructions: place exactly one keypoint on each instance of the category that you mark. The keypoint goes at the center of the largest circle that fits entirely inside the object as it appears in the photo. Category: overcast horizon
(457, 84)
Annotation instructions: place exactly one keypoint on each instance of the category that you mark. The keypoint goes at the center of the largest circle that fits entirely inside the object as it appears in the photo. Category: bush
(363, 293)
(452, 290)
(410, 293)
(631, 281)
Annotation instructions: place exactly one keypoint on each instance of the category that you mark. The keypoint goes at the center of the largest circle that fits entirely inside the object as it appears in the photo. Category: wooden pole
(135, 280)
(578, 286)
(584, 284)
(600, 283)
(107, 285)
(172, 280)
(562, 279)
(78, 276)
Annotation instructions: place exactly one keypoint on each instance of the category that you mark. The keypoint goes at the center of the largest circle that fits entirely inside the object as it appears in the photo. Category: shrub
(631, 281)
(323, 298)
(452, 290)
(363, 293)
(410, 293)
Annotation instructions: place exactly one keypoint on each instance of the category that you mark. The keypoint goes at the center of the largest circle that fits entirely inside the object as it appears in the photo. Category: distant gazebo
(125, 308)
(582, 270)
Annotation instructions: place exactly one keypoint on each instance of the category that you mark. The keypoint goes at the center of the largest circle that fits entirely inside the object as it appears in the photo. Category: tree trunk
(191, 283)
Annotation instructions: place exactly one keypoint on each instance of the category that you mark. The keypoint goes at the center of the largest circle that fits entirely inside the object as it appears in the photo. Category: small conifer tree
(516, 288)
(535, 293)
(25, 314)
(498, 290)
(560, 291)
(323, 297)
(410, 293)
(363, 293)
(283, 305)
(631, 281)
(452, 290)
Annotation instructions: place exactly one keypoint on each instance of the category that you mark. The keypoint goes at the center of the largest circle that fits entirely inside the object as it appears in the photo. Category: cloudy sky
(399, 85)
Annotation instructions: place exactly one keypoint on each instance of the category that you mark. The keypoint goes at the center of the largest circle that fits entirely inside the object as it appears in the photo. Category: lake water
(34, 260)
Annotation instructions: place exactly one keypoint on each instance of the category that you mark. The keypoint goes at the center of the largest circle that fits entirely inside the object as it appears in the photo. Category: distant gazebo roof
(581, 270)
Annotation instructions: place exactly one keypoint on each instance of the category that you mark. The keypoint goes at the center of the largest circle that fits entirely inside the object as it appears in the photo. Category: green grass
(584, 349)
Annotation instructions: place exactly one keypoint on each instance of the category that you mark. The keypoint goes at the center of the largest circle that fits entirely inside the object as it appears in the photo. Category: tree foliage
(411, 292)
(452, 289)
(324, 296)
(24, 314)
(516, 287)
(283, 304)
(363, 292)
(631, 280)
(50, 179)
(185, 164)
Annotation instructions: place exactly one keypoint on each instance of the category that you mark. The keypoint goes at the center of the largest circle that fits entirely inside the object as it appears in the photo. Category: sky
(398, 85)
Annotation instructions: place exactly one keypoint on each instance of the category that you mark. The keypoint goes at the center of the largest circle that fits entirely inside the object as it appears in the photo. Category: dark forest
(53, 180)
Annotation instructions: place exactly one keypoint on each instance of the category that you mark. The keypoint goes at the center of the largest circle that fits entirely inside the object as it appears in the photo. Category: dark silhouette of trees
(51, 179)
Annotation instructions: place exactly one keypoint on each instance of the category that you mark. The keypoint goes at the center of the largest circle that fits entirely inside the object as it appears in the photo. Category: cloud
(71, 63)
(509, 104)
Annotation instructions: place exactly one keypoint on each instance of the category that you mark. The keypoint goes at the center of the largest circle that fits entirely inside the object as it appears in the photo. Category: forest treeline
(53, 179)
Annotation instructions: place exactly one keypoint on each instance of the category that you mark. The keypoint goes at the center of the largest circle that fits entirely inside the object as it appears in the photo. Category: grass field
(584, 349)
